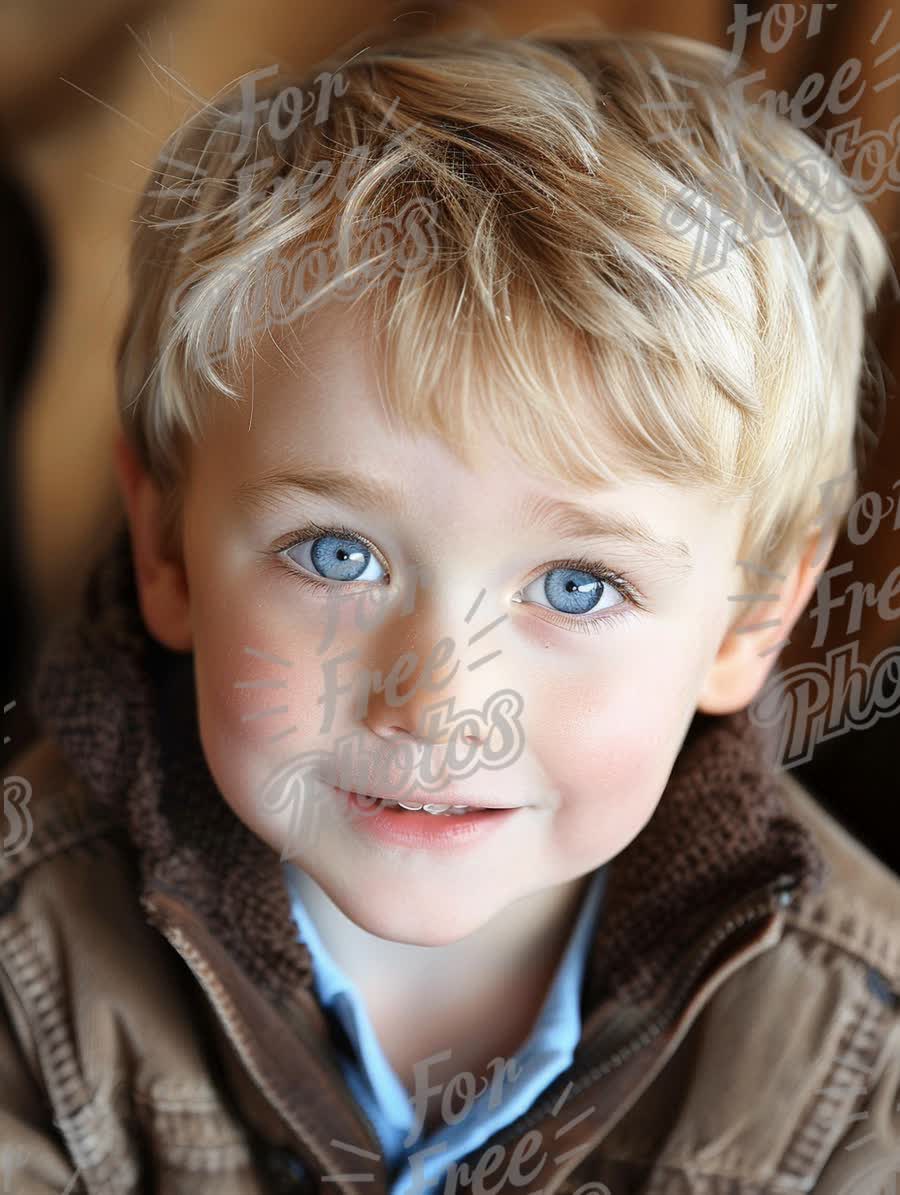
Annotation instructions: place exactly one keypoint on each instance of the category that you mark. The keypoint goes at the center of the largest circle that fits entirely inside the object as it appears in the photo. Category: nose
(423, 762)
(432, 676)
(434, 706)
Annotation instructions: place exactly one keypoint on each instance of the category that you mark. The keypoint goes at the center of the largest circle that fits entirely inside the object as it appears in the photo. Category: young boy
(400, 822)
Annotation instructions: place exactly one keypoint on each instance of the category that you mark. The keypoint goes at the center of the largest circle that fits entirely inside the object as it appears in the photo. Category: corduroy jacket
(159, 1030)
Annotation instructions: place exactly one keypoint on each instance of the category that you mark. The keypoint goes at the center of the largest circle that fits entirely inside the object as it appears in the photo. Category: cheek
(255, 682)
(262, 646)
(606, 742)
(259, 684)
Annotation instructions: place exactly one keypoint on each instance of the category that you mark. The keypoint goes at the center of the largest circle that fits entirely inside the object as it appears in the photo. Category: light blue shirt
(417, 1162)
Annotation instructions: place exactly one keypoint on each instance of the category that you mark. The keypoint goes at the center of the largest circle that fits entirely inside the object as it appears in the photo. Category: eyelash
(631, 593)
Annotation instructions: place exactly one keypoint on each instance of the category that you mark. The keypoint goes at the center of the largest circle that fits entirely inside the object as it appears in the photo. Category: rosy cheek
(259, 713)
(259, 684)
(607, 749)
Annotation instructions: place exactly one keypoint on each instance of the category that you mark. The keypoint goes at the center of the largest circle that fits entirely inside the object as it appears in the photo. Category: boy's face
(606, 689)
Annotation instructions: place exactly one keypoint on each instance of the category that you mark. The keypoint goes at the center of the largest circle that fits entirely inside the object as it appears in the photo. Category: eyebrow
(323, 483)
(578, 522)
(566, 519)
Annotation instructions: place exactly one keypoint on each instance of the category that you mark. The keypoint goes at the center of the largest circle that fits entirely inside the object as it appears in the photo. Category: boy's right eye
(335, 556)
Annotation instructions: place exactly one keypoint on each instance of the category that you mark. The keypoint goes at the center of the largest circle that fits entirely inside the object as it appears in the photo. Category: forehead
(312, 392)
(310, 408)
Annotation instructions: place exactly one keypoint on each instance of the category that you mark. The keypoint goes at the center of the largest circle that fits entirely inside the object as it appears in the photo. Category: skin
(604, 714)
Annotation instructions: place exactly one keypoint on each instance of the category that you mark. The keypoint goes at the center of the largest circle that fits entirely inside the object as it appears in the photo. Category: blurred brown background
(89, 90)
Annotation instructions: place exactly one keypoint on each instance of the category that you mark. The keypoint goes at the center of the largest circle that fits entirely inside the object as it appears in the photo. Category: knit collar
(122, 709)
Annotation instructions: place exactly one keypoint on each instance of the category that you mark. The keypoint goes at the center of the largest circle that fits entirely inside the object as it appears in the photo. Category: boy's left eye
(573, 591)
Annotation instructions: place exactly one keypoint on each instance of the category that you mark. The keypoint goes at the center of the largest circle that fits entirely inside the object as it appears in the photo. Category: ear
(746, 656)
(161, 579)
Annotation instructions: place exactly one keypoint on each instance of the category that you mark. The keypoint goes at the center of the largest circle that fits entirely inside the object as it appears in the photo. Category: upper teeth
(430, 808)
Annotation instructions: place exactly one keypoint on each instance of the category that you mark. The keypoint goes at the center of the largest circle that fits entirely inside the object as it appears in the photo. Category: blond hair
(568, 176)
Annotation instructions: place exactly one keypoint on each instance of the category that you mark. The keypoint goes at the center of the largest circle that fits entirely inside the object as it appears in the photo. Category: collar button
(286, 1173)
(9, 895)
(879, 986)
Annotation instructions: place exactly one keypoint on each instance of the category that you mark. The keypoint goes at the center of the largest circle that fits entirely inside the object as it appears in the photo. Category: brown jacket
(159, 1029)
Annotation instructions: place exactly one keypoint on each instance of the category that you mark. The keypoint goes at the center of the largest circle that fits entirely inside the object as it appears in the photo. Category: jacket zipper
(592, 1066)
(236, 1029)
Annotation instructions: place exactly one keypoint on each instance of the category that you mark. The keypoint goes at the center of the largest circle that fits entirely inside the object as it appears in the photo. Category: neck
(505, 968)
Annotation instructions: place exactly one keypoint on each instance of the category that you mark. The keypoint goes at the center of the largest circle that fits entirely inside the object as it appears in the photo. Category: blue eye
(574, 591)
(336, 558)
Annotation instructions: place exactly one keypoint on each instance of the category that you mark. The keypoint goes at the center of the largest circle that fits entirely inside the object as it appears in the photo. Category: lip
(424, 831)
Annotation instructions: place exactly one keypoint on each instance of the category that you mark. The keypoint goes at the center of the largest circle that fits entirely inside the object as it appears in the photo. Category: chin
(404, 918)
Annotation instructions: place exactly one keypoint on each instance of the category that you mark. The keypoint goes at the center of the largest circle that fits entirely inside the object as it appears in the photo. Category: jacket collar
(123, 712)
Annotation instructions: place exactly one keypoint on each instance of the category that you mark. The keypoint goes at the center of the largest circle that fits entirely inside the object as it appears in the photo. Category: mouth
(433, 809)
(451, 804)
(427, 825)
